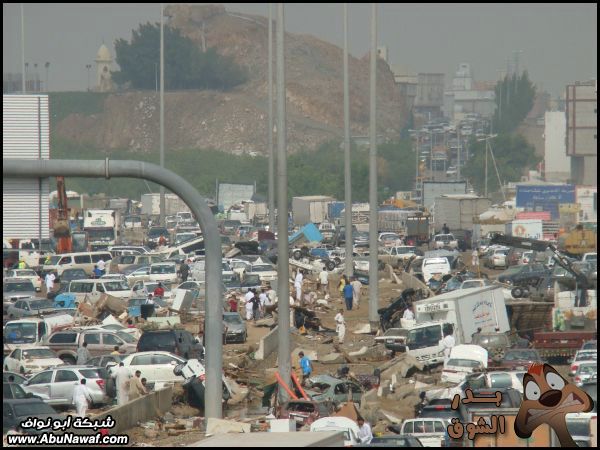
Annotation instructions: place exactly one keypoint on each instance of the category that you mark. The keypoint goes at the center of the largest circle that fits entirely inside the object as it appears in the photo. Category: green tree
(186, 67)
(514, 100)
(513, 157)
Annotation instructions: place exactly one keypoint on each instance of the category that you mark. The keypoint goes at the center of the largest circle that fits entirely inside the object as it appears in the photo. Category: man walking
(184, 270)
(81, 396)
(348, 296)
(323, 280)
(306, 365)
(340, 325)
(255, 306)
(122, 382)
(298, 285)
(136, 388)
(83, 354)
(49, 280)
(356, 291)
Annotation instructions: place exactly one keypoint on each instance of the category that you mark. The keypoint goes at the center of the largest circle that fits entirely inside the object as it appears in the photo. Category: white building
(465, 96)
(103, 63)
(557, 164)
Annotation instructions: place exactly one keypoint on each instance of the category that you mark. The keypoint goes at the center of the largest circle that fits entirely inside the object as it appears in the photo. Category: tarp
(308, 232)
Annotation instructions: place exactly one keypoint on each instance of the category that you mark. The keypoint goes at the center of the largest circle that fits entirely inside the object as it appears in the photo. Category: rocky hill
(236, 121)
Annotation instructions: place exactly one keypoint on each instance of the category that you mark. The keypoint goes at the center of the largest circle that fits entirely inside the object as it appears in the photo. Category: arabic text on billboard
(545, 198)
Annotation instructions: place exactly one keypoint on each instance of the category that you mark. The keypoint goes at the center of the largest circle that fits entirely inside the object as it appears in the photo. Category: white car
(29, 359)
(361, 264)
(143, 288)
(155, 366)
(114, 277)
(143, 273)
(388, 239)
(497, 257)
(28, 274)
(189, 285)
(580, 357)
(463, 360)
(164, 271)
(266, 272)
(445, 241)
(435, 266)
(475, 283)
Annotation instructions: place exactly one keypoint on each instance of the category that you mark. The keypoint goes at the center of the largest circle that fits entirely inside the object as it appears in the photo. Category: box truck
(463, 311)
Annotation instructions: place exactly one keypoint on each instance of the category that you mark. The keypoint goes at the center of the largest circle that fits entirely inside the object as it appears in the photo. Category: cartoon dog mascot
(547, 398)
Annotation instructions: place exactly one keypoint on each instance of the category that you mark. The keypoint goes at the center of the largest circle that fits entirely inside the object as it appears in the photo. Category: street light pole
(283, 288)
(162, 112)
(23, 65)
(88, 67)
(373, 212)
(458, 157)
(47, 66)
(271, 174)
(349, 265)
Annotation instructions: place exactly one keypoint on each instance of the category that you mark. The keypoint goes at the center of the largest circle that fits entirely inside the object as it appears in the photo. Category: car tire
(517, 292)
(68, 359)
(330, 265)
(337, 261)
(297, 255)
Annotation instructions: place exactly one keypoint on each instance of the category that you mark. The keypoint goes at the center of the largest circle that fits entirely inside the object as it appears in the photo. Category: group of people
(351, 291)
(256, 304)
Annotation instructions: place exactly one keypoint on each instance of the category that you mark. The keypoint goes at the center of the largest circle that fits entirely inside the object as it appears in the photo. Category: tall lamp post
(88, 67)
(347, 175)
(26, 73)
(162, 113)
(47, 66)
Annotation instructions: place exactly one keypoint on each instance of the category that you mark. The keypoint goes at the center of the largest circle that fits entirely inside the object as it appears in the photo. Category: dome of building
(103, 54)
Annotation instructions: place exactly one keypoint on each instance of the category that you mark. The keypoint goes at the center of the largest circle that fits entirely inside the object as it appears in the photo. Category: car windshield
(262, 268)
(491, 341)
(20, 332)
(126, 337)
(38, 353)
(26, 273)
(468, 363)
(521, 355)
(33, 409)
(578, 427)
(156, 232)
(116, 285)
(251, 280)
(163, 269)
(75, 273)
(587, 369)
(583, 356)
(54, 260)
(19, 286)
(90, 373)
(231, 318)
(41, 304)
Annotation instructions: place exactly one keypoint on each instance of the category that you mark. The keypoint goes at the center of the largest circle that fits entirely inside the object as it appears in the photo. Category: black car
(178, 342)
(15, 411)
(15, 391)
(525, 275)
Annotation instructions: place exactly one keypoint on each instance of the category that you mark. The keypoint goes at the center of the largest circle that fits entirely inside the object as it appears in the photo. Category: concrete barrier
(142, 409)
(267, 345)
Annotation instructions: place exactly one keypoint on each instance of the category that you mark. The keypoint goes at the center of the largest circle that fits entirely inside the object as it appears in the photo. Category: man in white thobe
(340, 325)
(408, 314)
(121, 380)
(81, 396)
(448, 342)
(50, 282)
(364, 433)
(298, 286)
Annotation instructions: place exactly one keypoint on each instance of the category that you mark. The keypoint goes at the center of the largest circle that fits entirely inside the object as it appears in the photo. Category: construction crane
(62, 230)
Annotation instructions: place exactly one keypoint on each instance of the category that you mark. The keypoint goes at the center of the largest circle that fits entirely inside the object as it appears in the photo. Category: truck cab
(33, 330)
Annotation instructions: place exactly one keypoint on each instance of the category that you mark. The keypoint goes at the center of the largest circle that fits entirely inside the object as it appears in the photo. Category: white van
(94, 288)
(435, 266)
(431, 432)
(464, 359)
(82, 260)
(33, 330)
(348, 426)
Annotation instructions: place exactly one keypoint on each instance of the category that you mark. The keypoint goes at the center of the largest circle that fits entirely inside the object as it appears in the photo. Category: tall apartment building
(582, 131)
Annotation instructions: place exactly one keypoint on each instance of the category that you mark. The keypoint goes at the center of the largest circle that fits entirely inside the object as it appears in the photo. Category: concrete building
(406, 82)
(556, 162)
(468, 96)
(430, 94)
(582, 131)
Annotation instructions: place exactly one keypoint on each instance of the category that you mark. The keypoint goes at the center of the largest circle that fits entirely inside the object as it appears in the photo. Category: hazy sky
(558, 41)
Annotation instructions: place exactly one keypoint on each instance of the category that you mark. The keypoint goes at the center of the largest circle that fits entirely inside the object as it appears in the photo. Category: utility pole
(162, 112)
(23, 83)
(349, 265)
(283, 288)
(458, 155)
(271, 174)
(486, 168)
(373, 228)
(47, 66)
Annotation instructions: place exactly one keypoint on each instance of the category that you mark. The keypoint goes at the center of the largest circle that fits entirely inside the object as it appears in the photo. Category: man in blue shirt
(348, 295)
(97, 272)
(306, 366)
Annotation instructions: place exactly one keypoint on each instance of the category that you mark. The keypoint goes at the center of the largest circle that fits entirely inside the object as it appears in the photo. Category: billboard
(538, 198)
